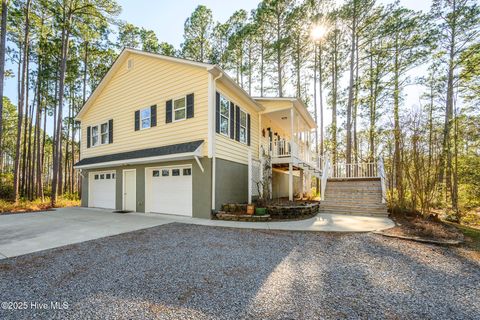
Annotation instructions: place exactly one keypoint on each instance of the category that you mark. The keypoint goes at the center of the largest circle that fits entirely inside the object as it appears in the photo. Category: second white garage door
(169, 190)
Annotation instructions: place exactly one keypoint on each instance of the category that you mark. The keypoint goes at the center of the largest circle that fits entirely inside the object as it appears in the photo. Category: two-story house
(167, 135)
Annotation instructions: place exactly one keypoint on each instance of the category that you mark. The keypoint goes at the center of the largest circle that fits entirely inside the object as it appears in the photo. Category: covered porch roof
(275, 106)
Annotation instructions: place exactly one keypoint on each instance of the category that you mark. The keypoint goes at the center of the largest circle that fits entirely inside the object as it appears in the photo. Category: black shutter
(270, 137)
(153, 116)
(237, 123)
(248, 129)
(168, 113)
(110, 131)
(89, 130)
(232, 120)
(217, 112)
(190, 107)
(137, 120)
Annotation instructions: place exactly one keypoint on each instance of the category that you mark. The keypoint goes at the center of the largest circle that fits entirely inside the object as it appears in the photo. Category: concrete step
(349, 207)
(362, 213)
(353, 203)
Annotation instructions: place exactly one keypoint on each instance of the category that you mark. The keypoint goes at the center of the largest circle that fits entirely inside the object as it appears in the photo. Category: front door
(129, 190)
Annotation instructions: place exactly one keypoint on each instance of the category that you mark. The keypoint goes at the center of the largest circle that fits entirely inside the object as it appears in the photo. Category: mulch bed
(415, 227)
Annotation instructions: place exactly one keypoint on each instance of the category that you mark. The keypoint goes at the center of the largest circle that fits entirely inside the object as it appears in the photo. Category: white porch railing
(381, 173)
(286, 148)
(325, 174)
(354, 170)
(281, 148)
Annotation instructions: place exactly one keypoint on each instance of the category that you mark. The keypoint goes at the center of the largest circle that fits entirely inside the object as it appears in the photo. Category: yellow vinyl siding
(231, 149)
(150, 82)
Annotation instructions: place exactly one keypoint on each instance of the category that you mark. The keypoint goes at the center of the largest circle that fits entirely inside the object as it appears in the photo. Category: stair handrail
(325, 174)
(381, 173)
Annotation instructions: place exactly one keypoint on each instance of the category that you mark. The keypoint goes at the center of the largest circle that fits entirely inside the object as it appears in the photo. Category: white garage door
(169, 190)
(102, 189)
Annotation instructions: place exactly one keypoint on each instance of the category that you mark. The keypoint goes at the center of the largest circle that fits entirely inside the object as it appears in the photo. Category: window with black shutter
(168, 111)
(110, 131)
(153, 116)
(137, 120)
(89, 130)
(237, 123)
(190, 106)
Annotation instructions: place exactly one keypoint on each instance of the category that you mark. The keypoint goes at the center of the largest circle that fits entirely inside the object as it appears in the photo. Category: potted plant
(260, 211)
(250, 209)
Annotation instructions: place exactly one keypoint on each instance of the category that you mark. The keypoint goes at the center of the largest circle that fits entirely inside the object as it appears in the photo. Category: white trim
(212, 123)
(149, 118)
(123, 187)
(236, 87)
(229, 102)
(214, 168)
(199, 163)
(173, 108)
(249, 176)
(246, 126)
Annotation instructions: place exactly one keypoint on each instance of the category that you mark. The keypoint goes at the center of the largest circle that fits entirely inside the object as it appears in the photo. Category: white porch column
(290, 181)
(249, 176)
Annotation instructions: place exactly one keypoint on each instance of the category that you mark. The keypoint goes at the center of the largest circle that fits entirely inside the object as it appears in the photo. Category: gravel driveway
(180, 271)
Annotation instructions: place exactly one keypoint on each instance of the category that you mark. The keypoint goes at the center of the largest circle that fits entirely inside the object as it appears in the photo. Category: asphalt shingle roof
(144, 153)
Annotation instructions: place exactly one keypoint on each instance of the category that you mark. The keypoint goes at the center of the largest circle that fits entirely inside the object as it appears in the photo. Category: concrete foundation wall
(231, 184)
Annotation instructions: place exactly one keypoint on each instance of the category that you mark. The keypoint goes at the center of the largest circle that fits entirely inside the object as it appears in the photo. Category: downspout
(212, 136)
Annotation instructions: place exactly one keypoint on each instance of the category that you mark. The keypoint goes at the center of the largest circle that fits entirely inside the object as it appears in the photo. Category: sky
(167, 19)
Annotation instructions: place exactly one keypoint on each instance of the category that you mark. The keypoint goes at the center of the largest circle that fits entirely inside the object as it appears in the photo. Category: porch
(286, 137)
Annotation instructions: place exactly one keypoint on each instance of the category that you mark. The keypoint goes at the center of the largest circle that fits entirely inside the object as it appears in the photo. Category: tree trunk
(27, 114)
(16, 174)
(350, 87)
(262, 55)
(397, 163)
(320, 93)
(85, 71)
(58, 150)
(3, 36)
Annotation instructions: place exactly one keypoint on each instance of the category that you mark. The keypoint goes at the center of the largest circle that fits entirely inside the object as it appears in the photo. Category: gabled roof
(214, 69)
(298, 104)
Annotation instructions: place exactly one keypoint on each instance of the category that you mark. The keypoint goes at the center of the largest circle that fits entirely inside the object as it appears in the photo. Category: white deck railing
(354, 170)
(286, 148)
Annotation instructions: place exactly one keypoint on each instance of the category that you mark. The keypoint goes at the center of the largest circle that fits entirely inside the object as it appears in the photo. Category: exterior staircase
(361, 196)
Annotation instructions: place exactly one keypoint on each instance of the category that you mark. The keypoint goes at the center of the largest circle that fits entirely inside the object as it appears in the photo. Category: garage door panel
(170, 190)
(102, 189)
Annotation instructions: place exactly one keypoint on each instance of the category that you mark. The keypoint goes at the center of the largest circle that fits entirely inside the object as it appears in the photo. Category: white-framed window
(224, 116)
(104, 133)
(145, 118)
(243, 126)
(95, 141)
(100, 134)
(180, 109)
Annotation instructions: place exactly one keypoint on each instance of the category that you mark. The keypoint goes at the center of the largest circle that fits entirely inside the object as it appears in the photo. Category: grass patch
(472, 235)
(35, 205)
